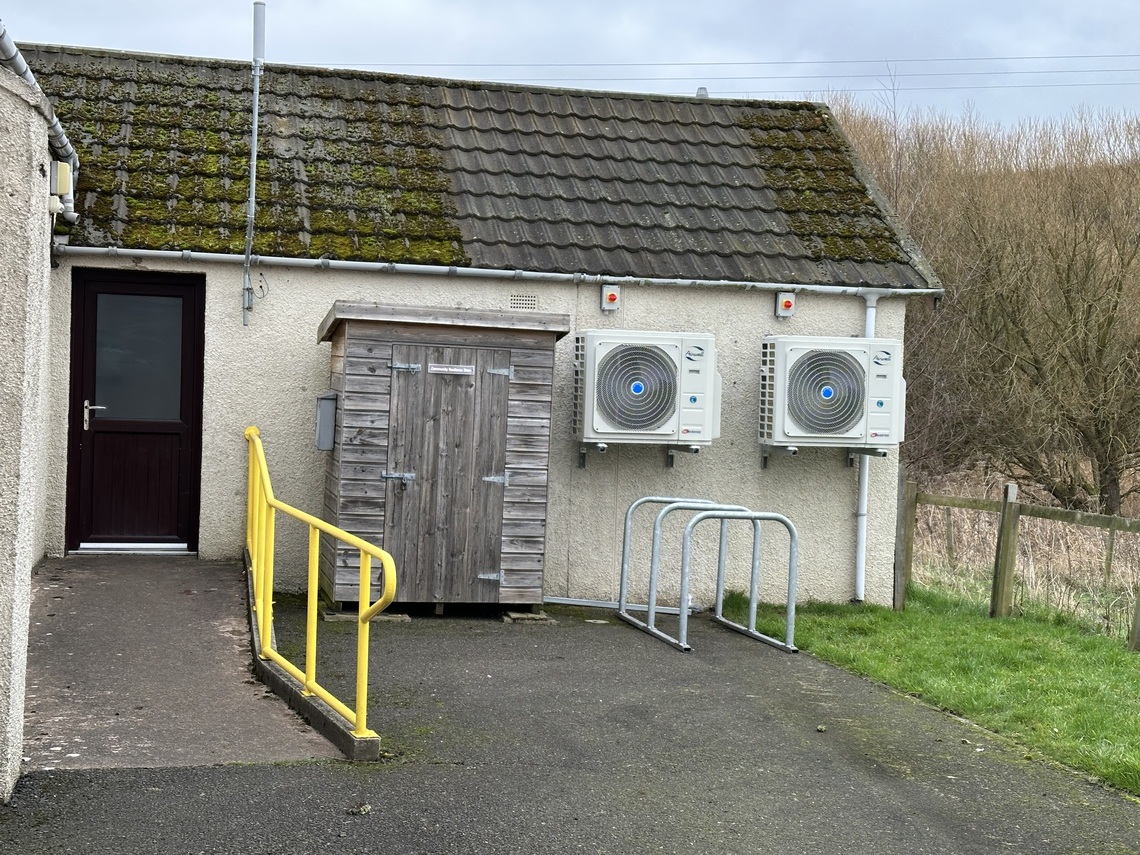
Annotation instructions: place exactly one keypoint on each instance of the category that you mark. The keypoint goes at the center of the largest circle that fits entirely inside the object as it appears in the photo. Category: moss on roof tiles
(805, 158)
(366, 166)
(813, 171)
(791, 116)
(164, 147)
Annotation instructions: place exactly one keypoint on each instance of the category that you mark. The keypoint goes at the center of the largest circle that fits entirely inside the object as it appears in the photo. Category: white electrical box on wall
(59, 179)
(785, 304)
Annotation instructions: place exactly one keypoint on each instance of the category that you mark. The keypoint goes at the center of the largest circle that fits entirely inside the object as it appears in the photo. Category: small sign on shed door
(436, 368)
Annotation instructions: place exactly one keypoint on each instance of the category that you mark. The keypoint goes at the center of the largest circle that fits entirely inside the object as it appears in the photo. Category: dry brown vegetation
(1059, 565)
(1031, 364)
(1029, 369)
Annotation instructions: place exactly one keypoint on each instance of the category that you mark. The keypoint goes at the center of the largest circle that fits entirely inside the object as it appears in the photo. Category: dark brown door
(446, 472)
(134, 455)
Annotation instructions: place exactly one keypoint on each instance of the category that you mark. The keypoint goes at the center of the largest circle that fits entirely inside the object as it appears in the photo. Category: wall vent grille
(524, 301)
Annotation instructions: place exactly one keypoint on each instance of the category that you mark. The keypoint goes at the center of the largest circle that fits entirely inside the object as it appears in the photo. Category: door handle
(87, 408)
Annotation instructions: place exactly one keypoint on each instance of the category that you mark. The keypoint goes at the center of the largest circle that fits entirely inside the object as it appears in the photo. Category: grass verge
(1042, 679)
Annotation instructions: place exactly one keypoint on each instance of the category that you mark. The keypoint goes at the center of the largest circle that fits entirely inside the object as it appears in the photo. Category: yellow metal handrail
(260, 519)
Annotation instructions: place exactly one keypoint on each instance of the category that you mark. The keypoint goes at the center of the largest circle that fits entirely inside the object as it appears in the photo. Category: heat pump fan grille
(637, 387)
(826, 392)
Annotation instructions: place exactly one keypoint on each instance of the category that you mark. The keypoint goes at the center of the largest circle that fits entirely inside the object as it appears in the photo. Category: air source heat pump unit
(646, 387)
(846, 392)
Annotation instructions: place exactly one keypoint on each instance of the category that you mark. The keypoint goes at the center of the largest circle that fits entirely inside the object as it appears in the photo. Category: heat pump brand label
(695, 353)
(883, 357)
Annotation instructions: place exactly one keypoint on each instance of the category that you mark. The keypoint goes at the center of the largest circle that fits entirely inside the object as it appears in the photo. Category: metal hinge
(492, 577)
(504, 479)
(413, 367)
(505, 372)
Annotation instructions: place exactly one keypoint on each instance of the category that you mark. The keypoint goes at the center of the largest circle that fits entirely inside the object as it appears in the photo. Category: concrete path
(593, 737)
(142, 662)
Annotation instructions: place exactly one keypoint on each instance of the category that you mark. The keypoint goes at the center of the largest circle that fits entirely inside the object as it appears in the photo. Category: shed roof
(365, 166)
(524, 322)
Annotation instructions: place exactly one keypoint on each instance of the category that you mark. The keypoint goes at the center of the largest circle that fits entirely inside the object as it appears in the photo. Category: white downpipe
(61, 147)
(864, 477)
(251, 207)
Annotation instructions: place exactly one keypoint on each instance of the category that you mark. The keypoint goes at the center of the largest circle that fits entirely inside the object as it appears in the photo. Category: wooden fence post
(1005, 560)
(1134, 639)
(904, 539)
(1110, 547)
(950, 551)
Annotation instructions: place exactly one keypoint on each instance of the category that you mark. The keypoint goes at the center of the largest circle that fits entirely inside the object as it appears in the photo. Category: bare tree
(1032, 363)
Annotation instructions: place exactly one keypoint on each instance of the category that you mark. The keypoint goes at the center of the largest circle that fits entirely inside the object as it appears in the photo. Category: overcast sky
(1009, 59)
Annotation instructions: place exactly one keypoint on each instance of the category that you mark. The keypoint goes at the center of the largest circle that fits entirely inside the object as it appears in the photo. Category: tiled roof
(379, 167)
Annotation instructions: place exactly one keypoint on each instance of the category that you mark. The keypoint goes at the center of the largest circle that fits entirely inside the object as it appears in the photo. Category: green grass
(1041, 679)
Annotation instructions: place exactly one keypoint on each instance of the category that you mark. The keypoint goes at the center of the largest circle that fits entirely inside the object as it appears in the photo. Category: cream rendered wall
(270, 372)
(24, 393)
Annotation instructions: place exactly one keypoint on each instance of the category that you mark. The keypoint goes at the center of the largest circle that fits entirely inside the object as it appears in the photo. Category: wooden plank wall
(354, 488)
(528, 462)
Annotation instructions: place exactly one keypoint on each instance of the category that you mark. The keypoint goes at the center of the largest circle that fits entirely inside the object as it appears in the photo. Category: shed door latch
(412, 367)
(403, 477)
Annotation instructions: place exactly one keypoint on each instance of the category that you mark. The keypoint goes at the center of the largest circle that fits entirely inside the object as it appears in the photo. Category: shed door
(447, 438)
(135, 433)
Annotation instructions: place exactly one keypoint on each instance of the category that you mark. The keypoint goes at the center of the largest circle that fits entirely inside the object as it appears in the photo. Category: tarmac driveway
(593, 737)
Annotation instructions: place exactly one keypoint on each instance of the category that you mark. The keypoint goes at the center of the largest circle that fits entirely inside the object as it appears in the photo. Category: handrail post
(1005, 559)
(311, 611)
(363, 603)
(257, 558)
(251, 502)
(265, 618)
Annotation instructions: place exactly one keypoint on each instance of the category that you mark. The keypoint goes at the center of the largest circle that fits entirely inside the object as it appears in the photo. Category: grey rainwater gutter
(61, 147)
(484, 272)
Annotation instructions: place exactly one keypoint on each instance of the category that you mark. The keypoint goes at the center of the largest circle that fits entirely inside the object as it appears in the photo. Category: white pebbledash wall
(24, 391)
(269, 373)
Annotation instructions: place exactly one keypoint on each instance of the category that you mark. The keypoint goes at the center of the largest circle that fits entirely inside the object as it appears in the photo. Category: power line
(945, 88)
(838, 78)
(833, 76)
(734, 63)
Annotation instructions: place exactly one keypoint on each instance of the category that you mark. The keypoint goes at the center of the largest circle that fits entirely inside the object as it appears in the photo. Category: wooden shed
(441, 449)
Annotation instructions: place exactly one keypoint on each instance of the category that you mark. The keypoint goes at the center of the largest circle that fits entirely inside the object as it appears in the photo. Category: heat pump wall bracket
(671, 452)
(854, 454)
(767, 451)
